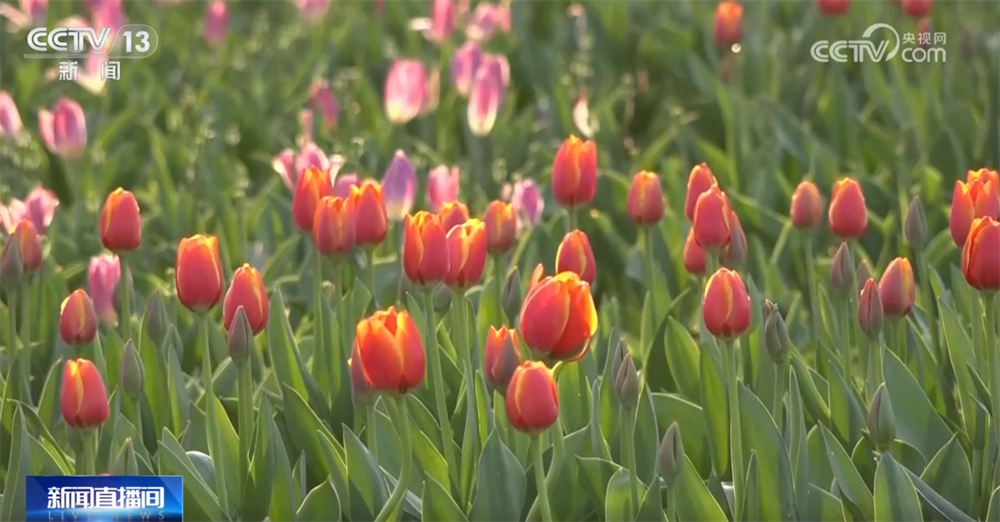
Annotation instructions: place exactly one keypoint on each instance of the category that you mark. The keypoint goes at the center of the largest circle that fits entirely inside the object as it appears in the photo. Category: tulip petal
(544, 316)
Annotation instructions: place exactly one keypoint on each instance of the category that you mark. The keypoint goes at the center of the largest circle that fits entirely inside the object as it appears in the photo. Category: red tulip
(502, 357)
(466, 254)
(699, 181)
(575, 255)
(728, 23)
(121, 224)
(574, 173)
(313, 185)
(84, 400)
(979, 197)
(198, 273)
(30, 248)
(390, 351)
(247, 290)
(453, 213)
(77, 319)
(833, 7)
(558, 317)
(532, 398)
(334, 226)
(726, 305)
(501, 227)
(897, 289)
(980, 262)
(847, 215)
(807, 206)
(645, 199)
(711, 220)
(694, 255)
(425, 248)
(370, 218)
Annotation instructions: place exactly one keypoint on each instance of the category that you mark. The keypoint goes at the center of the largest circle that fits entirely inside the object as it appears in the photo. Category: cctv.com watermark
(921, 48)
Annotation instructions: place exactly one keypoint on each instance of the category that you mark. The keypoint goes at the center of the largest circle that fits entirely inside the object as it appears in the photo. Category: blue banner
(105, 498)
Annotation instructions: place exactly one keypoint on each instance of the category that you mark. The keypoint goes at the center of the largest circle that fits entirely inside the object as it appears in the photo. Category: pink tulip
(325, 103)
(11, 215)
(216, 22)
(102, 281)
(442, 21)
(488, 93)
(313, 9)
(305, 126)
(31, 14)
(108, 13)
(442, 186)
(10, 118)
(432, 93)
(284, 165)
(342, 185)
(405, 89)
(399, 186)
(64, 130)
(527, 200)
(40, 208)
(487, 20)
(310, 155)
(464, 64)
(581, 116)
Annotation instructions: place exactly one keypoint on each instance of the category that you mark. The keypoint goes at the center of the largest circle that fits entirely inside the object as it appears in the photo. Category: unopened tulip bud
(769, 308)
(728, 23)
(897, 288)
(807, 206)
(915, 226)
(155, 318)
(881, 419)
(618, 356)
(776, 338)
(626, 386)
(240, 337)
(11, 269)
(29, 250)
(840, 272)
(870, 313)
(125, 462)
(131, 370)
(532, 398)
(442, 298)
(510, 298)
(671, 455)
(77, 319)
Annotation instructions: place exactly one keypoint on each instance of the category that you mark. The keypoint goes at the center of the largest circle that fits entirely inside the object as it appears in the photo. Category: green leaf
(651, 508)
(320, 505)
(286, 360)
(936, 501)
(695, 502)
(502, 484)
(367, 488)
(774, 474)
(812, 399)
(895, 497)
(647, 437)
(846, 415)
(438, 505)
(198, 497)
(283, 495)
(567, 498)
(574, 409)
(798, 449)
(917, 422)
(962, 355)
(618, 500)
(596, 473)
(683, 359)
(849, 480)
(948, 473)
(715, 406)
(993, 515)
(303, 425)
(257, 491)
(12, 506)
(226, 457)
(48, 402)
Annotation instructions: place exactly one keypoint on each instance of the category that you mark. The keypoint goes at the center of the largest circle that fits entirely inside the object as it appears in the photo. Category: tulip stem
(137, 411)
(245, 391)
(814, 311)
(558, 455)
(539, 465)
(126, 282)
(12, 321)
(462, 332)
(993, 370)
(89, 436)
(320, 355)
(977, 472)
(371, 429)
(778, 409)
(672, 503)
(498, 274)
(437, 382)
(571, 223)
(210, 418)
(845, 342)
(404, 474)
(628, 441)
(651, 283)
(735, 438)
(371, 276)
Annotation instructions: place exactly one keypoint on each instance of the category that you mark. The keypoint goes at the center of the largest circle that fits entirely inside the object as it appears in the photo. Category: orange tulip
(575, 255)
(390, 351)
(645, 199)
(247, 290)
(425, 248)
(370, 219)
(980, 262)
(466, 254)
(694, 255)
(502, 357)
(198, 273)
(847, 214)
(711, 220)
(334, 226)
(807, 206)
(84, 400)
(532, 398)
(313, 185)
(870, 311)
(501, 227)
(728, 23)
(77, 319)
(30, 248)
(121, 223)
(453, 213)
(558, 317)
(574, 173)
(699, 181)
(979, 197)
(897, 289)
(726, 305)
(536, 277)
(735, 253)
(984, 175)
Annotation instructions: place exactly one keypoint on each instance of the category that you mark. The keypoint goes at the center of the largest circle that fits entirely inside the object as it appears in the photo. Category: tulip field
(504, 260)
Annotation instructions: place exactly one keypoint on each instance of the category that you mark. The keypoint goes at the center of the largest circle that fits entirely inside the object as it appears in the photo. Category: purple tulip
(31, 14)
(10, 118)
(102, 281)
(488, 93)
(405, 89)
(464, 64)
(64, 130)
(342, 185)
(399, 186)
(527, 200)
(216, 22)
(487, 19)
(40, 208)
(442, 186)
(313, 9)
(325, 103)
